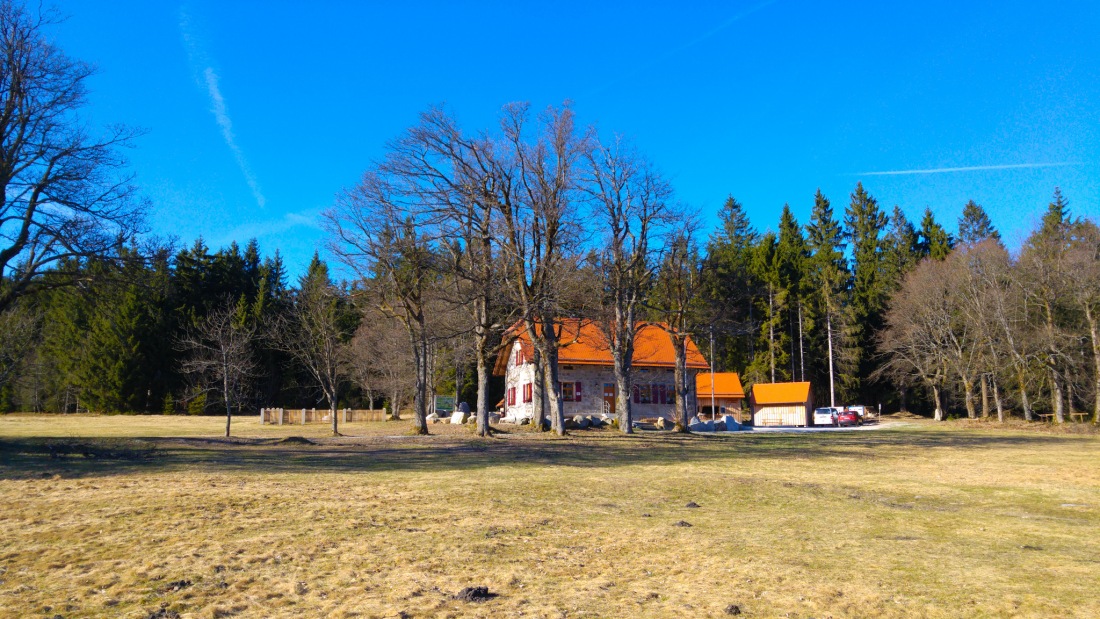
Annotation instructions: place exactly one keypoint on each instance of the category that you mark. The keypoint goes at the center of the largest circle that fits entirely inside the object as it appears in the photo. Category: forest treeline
(454, 241)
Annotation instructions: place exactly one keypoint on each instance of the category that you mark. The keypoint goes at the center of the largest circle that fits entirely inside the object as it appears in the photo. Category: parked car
(848, 418)
(825, 416)
(862, 410)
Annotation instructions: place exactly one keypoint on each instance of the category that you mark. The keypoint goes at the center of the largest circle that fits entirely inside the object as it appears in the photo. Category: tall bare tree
(63, 193)
(220, 357)
(315, 331)
(1083, 261)
(538, 199)
(385, 232)
(1043, 269)
(630, 203)
(674, 302)
(381, 359)
(917, 341)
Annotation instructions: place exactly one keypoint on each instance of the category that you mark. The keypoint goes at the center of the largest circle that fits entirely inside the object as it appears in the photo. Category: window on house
(519, 357)
(646, 394)
(526, 392)
(511, 396)
(567, 392)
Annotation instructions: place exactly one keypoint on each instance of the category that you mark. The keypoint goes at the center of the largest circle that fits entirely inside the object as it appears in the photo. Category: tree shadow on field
(29, 458)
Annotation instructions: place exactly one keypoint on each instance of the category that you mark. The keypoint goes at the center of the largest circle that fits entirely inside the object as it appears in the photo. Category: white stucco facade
(653, 389)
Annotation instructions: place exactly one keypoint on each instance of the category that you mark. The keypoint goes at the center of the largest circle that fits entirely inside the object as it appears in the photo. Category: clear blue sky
(258, 113)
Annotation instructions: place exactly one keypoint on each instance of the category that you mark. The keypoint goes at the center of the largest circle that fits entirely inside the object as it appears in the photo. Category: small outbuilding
(781, 404)
(719, 394)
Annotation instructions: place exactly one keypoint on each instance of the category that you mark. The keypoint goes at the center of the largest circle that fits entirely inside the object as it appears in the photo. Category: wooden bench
(1045, 416)
(1079, 417)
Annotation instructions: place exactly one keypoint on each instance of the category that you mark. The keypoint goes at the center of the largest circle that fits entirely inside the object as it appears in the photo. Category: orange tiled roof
(781, 393)
(726, 385)
(582, 343)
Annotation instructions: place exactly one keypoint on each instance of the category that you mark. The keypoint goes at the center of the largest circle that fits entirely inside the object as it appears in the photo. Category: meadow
(159, 517)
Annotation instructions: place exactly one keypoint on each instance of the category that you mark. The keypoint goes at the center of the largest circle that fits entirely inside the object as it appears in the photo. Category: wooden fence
(300, 416)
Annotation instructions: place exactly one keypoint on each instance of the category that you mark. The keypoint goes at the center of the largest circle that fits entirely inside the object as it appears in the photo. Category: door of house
(609, 398)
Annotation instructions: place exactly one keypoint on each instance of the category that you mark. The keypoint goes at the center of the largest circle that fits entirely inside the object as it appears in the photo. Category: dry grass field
(164, 519)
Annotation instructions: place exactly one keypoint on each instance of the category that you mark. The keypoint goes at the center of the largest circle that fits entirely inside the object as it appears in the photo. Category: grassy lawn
(911, 520)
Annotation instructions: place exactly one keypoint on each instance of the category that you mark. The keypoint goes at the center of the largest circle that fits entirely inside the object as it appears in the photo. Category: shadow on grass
(28, 458)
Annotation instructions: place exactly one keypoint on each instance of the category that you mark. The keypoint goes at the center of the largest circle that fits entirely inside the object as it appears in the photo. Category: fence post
(280, 416)
(261, 416)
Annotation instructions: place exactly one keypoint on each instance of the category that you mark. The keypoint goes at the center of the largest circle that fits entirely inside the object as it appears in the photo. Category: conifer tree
(935, 241)
(864, 222)
(901, 249)
(829, 277)
(770, 361)
(731, 288)
(792, 258)
(975, 225)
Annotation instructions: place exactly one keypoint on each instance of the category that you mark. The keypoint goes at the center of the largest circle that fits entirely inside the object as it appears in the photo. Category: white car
(825, 416)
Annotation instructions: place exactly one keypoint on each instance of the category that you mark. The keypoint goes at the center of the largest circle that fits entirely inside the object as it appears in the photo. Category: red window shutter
(577, 392)
(662, 394)
(637, 395)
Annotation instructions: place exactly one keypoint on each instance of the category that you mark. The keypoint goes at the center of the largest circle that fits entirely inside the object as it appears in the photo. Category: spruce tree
(730, 287)
(865, 222)
(935, 242)
(829, 280)
(793, 256)
(975, 225)
(770, 361)
(901, 249)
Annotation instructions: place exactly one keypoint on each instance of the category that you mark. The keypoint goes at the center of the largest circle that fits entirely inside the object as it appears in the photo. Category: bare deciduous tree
(220, 357)
(1083, 261)
(536, 191)
(917, 340)
(382, 230)
(630, 202)
(62, 196)
(315, 332)
(674, 302)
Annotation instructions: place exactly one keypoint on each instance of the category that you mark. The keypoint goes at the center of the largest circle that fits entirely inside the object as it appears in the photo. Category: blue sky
(258, 113)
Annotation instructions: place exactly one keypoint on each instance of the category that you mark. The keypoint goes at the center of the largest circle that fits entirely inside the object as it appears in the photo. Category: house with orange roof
(781, 404)
(719, 394)
(585, 368)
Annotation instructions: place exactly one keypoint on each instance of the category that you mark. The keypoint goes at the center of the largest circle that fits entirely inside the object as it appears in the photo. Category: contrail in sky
(977, 168)
(198, 58)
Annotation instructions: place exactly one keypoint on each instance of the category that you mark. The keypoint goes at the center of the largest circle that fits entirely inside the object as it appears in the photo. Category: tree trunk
(623, 395)
(1094, 333)
(553, 390)
(538, 402)
(1057, 397)
(801, 348)
(997, 399)
(332, 411)
(228, 401)
(771, 335)
(829, 332)
(679, 346)
(1024, 402)
(420, 396)
(482, 387)
(938, 415)
(985, 395)
(968, 389)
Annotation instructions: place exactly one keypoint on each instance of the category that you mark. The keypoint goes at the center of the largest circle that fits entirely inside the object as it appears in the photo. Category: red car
(848, 418)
